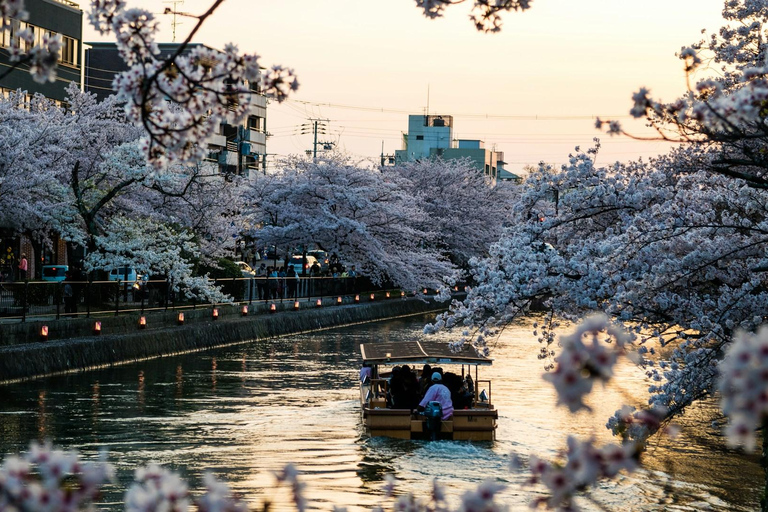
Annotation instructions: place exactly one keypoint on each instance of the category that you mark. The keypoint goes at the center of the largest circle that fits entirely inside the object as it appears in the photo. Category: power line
(464, 115)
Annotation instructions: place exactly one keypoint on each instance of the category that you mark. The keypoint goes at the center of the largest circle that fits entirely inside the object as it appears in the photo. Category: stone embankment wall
(122, 342)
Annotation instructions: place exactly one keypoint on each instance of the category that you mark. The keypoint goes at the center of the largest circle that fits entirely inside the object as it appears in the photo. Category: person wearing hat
(437, 392)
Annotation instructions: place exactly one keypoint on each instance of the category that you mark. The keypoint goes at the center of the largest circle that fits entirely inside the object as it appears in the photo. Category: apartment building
(431, 136)
(237, 149)
(45, 17)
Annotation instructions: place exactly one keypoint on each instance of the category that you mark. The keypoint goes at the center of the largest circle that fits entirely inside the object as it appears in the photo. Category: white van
(126, 274)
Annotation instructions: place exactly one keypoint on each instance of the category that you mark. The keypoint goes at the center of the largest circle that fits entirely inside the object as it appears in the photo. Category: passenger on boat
(468, 390)
(401, 388)
(425, 380)
(454, 382)
(410, 388)
(366, 372)
(439, 393)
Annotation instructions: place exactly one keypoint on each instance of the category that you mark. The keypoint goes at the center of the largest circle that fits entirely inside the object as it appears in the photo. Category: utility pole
(173, 11)
(317, 126)
(386, 159)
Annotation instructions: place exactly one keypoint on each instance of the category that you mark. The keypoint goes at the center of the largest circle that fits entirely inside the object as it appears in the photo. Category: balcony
(67, 3)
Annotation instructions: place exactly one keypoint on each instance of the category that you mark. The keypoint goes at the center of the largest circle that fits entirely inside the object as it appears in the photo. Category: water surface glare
(244, 412)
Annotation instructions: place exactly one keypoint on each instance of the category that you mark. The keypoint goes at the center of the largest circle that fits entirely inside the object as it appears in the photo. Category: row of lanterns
(215, 314)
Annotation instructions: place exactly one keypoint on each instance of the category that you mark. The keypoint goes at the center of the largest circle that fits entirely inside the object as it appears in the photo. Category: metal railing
(25, 300)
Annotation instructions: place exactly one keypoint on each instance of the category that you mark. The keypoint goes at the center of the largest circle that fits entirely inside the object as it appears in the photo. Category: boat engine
(433, 412)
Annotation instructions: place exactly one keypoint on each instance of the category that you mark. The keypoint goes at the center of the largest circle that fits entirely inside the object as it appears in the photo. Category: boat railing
(378, 393)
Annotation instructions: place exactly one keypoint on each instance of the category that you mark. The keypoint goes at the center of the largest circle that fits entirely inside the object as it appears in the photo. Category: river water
(244, 412)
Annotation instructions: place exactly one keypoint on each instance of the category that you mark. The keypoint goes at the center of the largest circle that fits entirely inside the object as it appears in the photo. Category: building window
(68, 53)
(254, 123)
(419, 137)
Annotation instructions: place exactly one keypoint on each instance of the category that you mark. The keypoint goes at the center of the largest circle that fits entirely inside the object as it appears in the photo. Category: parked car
(245, 269)
(322, 258)
(126, 274)
(55, 272)
(297, 260)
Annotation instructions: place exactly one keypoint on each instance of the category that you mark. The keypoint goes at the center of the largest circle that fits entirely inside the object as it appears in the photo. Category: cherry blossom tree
(667, 245)
(79, 172)
(367, 218)
(30, 148)
(463, 207)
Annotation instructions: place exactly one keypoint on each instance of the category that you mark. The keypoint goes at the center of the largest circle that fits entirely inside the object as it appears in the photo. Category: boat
(475, 420)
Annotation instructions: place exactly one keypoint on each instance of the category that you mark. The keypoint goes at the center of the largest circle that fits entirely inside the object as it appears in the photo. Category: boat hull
(464, 425)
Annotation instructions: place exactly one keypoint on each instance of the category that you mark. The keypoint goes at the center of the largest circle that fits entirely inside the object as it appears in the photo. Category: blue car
(55, 273)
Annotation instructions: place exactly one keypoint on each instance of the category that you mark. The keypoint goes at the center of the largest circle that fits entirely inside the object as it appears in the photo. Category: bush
(223, 273)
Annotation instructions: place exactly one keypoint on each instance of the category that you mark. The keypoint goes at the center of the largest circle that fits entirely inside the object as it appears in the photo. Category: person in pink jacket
(438, 393)
(23, 267)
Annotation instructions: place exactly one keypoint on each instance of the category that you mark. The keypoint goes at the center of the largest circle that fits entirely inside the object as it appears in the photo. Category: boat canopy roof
(419, 352)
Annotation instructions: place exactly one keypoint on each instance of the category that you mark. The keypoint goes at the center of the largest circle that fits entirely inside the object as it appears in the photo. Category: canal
(243, 412)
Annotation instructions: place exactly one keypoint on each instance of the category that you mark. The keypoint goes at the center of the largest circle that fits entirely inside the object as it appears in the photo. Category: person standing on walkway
(23, 267)
(261, 281)
(272, 282)
(291, 280)
(70, 301)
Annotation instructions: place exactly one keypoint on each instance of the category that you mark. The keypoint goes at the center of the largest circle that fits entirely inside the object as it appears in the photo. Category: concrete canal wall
(72, 346)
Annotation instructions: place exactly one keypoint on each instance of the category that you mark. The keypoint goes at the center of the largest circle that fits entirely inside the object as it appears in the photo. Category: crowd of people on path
(283, 282)
(276, 283)
(409, 389)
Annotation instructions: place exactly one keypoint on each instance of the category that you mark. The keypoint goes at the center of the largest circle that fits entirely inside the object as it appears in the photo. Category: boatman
(438, 393)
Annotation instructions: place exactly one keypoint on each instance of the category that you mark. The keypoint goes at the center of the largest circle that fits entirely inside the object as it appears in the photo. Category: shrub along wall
(122, 342)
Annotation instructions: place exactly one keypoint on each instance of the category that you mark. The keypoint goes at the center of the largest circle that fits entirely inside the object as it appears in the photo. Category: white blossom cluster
(43, 59)
(182, 99)
(743, 386)
(46, 479)
(485, 15)
(481, 499)
(584, 466)
(586, 358)
(633, 425)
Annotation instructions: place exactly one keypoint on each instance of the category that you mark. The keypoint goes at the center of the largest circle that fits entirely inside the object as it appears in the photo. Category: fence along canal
(30, 300)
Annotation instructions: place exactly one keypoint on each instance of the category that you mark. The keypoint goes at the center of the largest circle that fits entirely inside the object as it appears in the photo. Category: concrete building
(503, 173)
(45, 17)
(432, 136)
(237, 149)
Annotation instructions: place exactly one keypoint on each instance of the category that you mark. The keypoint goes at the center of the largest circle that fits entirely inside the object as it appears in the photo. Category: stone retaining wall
(122, 342)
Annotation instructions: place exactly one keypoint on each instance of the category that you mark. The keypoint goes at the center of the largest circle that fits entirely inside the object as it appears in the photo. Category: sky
(531, 91)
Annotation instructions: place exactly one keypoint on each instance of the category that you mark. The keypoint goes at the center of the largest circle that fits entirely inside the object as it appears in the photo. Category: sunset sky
(531, 91)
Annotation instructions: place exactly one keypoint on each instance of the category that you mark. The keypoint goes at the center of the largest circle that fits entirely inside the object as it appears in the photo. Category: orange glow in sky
(531, 91)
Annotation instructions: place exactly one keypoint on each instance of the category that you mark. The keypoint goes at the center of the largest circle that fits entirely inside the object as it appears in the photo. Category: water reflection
(244, 412)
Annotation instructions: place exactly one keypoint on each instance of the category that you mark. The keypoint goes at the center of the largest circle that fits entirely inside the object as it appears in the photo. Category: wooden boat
(474, 422)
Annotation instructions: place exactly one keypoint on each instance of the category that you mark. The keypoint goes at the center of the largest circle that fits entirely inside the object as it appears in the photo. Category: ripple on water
(245, 412)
